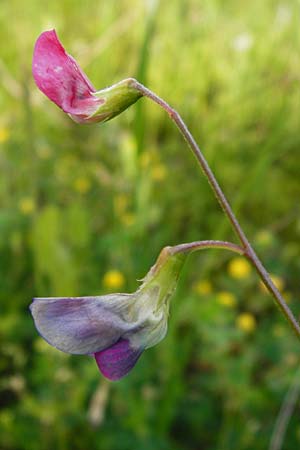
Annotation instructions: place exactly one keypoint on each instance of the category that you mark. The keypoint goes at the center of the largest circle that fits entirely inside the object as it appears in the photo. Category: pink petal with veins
(59, 77)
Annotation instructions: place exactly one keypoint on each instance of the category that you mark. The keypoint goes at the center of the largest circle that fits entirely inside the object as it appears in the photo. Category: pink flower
(58, 76)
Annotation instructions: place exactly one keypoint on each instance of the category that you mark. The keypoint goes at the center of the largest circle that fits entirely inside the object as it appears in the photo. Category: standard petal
(82, 325)
(116, 361)
(58, 76)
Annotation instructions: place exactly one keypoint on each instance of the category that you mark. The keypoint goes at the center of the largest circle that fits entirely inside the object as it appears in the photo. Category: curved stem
(202, 245)
(248, 250)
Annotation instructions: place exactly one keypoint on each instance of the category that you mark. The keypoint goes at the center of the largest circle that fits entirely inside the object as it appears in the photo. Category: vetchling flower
(59, 77)
(115, 328)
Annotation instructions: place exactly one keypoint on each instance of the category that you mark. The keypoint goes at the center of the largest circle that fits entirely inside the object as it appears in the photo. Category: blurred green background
(86, 209)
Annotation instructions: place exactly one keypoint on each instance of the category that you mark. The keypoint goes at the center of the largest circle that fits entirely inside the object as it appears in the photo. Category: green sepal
(116, 99)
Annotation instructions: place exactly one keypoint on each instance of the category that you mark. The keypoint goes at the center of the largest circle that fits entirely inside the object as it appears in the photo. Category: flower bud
(60, 78)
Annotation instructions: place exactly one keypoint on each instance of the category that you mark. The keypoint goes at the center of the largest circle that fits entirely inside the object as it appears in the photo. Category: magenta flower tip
(59, 77)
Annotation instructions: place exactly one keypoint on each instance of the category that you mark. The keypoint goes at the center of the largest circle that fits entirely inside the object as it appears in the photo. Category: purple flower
(58, 76)
(115, 328)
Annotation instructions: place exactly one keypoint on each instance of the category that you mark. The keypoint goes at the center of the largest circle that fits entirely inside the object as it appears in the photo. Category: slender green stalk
(286, 410)
(248, 250)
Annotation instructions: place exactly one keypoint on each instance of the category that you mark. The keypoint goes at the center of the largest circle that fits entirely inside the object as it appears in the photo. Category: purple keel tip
(116, 361)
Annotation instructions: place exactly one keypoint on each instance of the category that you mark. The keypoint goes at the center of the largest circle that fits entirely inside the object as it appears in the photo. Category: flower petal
(116, 361)
(82, 325)
(58, 76)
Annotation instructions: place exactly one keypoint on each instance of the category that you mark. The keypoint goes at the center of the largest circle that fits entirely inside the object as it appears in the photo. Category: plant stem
(202, 245)
(248, 250)
(285, 413)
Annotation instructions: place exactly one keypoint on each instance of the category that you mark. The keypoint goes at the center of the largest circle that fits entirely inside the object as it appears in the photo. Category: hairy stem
(248, 249)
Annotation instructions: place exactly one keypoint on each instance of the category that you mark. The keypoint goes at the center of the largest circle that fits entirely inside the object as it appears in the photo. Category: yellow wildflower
(264, 238)
(278, 281)
(128, 219)
(246, 322)
(27, 205)
(4, 134)
(145, 159)
(203, 287)
(159, 172)
(120, 203)
(227, 299)
(113, 279)
(82, 185)
(239, 268)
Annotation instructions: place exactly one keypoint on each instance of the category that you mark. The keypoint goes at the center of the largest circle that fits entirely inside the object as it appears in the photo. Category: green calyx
(164, 274)
(116, 99)
(150, 307)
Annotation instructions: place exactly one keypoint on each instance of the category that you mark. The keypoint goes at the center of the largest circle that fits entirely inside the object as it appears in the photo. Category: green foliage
(78, 202)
